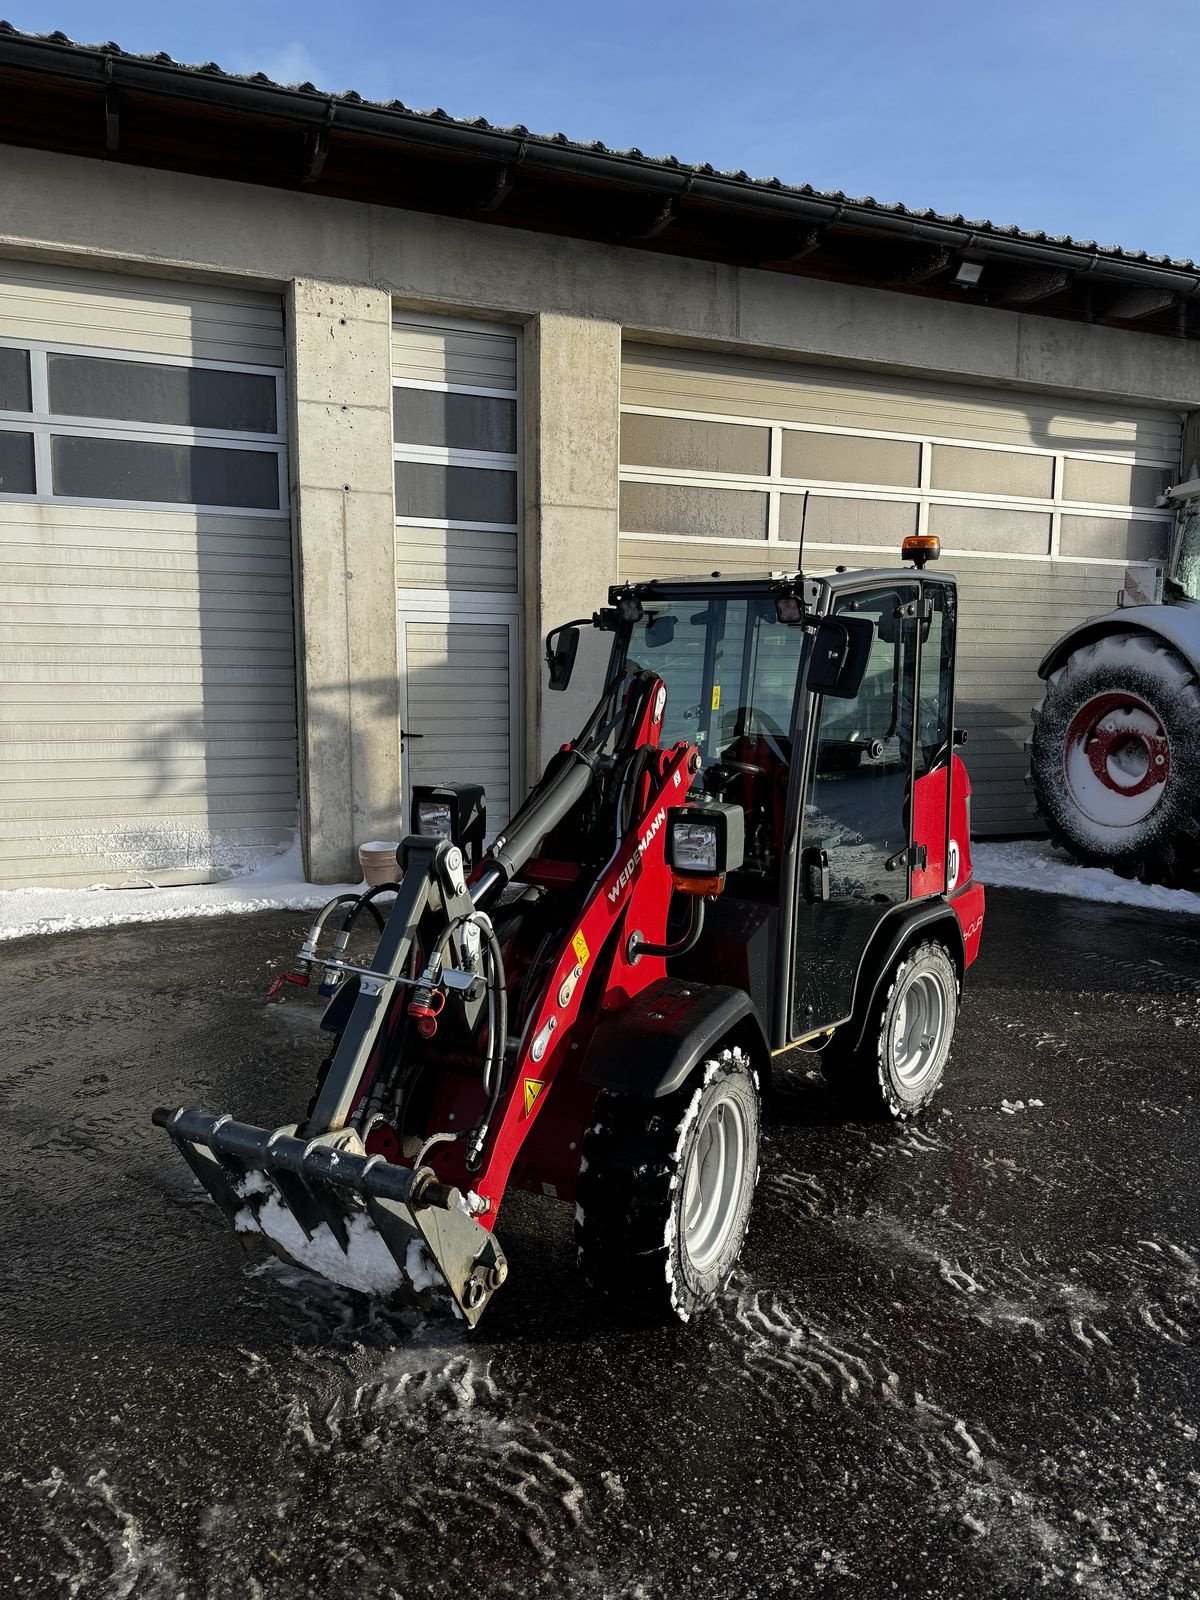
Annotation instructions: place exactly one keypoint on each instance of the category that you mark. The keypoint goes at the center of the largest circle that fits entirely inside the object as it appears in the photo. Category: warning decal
(716, 697)
(533, 1088)
(579, 945)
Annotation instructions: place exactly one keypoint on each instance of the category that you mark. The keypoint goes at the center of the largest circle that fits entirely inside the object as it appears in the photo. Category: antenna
(803, 521)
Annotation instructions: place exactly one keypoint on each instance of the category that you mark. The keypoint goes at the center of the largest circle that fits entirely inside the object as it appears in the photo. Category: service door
(854, 839)
(458, 671)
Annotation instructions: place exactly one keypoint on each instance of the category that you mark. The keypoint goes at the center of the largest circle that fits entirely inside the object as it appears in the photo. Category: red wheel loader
(759, 840)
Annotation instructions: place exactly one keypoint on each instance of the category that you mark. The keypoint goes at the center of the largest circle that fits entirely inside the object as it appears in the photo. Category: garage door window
(15, 391)
(143, 391)
(729, 449)
(16, 463)
(102, 428)
(177, 474)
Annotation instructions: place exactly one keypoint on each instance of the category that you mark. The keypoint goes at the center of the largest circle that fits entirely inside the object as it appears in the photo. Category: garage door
(456, 393)
(1042, 504)
(147, 683)
(456, 703)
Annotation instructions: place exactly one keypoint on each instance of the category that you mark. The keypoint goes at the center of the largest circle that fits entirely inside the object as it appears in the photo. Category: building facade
(296, 470)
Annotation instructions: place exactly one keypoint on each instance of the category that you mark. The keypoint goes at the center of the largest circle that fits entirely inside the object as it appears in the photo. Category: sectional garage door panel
(147, 701)
(147, 652)
(1042, 505)
(197, 322)
(668, 379)
(455, 429)
(458, 689)
(1007, 622)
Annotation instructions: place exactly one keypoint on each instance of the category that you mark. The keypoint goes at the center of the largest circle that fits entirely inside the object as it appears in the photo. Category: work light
(435, 818)
(453, 811)
(704, 842)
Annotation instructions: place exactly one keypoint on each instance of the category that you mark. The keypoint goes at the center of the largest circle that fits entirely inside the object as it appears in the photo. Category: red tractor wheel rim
(1117, 759)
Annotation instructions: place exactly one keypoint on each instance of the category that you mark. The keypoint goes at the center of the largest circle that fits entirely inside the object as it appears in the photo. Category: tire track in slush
(393, 1393)
(1128, 1524)
(916, 1446)
(393, 1424)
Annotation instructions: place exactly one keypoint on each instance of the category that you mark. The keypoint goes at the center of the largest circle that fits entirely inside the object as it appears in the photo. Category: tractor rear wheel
(899, 1065)
(665, 1189)
(1115, 758)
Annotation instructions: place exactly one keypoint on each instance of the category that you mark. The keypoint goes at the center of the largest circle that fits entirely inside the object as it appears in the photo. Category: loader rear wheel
(665, 1190)
(899, 1065)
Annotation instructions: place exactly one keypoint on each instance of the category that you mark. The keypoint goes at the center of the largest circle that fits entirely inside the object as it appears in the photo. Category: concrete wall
(340, 390)
(343, 264)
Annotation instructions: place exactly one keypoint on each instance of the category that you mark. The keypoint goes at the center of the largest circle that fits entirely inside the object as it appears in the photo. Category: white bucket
(378, 861)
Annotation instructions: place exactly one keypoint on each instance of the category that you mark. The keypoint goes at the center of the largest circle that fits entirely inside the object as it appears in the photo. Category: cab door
(856, 812)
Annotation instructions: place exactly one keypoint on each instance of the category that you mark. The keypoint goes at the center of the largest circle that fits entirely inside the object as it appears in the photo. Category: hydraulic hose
(314, 933)
(493, 1077)
(641, 947)
(362, 902)
(539, 814)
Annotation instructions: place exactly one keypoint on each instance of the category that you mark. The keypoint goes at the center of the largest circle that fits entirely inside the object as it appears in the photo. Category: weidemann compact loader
(760, 839)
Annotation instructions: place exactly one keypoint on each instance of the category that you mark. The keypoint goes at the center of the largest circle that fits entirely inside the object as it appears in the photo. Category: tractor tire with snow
(899, 1065)
(1115, 758)
(665, 1190)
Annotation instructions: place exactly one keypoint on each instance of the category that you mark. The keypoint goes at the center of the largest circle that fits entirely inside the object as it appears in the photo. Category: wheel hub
(714, 1180)
(1117, 758)
(919, 1028)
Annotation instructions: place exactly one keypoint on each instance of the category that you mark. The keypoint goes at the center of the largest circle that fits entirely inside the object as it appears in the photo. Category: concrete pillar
(339, 371)
(572, 394)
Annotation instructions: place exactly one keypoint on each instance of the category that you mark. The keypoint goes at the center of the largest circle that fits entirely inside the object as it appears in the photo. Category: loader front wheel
(665, 1190)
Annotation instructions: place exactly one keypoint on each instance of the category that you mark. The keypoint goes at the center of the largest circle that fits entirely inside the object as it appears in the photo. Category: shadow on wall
(186, 724)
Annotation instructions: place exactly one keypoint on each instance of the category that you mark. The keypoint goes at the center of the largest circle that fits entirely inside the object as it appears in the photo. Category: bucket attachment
(324, 1204)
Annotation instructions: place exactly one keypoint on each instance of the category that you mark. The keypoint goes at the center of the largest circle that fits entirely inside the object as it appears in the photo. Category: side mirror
(562, 646)
(660, 630)
(840, 652)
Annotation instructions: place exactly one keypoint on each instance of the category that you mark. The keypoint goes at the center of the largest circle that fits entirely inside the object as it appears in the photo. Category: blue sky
(1060, 115)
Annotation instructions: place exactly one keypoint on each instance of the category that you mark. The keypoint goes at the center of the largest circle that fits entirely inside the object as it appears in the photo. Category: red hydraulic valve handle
(300, 979)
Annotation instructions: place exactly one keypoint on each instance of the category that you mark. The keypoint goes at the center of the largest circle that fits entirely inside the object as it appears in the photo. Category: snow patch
(367, 1266)
(419, 1267)
(1037, 864)
(276, 885)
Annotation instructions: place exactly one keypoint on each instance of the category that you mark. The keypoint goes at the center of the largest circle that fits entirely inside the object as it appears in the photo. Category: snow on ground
(277, 885)
(1036, 864)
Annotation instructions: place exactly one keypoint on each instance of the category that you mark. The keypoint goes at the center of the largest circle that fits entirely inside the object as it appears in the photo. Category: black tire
(640, 1161)
(1153, 834)
(889, 1076)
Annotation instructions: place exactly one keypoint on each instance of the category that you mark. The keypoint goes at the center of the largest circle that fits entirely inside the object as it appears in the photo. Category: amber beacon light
(920, 548)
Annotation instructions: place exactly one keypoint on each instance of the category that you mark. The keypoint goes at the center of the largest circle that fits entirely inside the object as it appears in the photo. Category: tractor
(758, 841)
(1115, 753)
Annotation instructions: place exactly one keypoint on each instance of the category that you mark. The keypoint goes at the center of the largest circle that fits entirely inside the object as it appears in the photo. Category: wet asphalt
(960, 1358)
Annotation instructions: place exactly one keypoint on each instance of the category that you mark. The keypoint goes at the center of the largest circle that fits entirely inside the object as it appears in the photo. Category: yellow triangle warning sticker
(533, 1088)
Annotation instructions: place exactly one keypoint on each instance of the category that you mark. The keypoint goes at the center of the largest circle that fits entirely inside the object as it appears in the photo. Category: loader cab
(846, 799)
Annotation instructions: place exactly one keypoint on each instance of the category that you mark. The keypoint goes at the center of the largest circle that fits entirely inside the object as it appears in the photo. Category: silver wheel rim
(919, 1029)
(714, 1180)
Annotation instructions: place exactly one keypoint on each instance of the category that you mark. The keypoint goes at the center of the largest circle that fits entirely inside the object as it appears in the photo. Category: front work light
(452, 811)
(435, 818)
(704, 842)
(920, 548)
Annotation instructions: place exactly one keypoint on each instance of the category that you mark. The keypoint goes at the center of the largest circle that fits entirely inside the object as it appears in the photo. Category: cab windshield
(731, 670)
